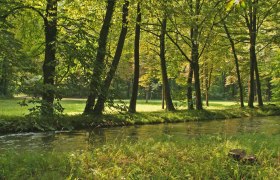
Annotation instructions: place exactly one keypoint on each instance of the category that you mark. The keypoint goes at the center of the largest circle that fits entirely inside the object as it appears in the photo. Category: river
(82, 140)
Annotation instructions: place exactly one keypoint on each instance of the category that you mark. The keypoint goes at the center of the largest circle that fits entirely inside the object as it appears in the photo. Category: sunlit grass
(73, 106)
(168, 157)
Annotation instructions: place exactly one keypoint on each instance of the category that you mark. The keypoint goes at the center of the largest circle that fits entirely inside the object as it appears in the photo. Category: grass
(172, 157)
(203, 157)
(12, 117)
(11, 107)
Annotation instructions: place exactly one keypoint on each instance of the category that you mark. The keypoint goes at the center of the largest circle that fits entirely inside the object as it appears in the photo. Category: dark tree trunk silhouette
(167, 93)
(207, 81)
(236, 65)
(4, 79)
(251, 22)
(189, 88)
(99, 107)
(258, 83)
(99, 65)
(49, 65)
(132, 105)
(194, 32)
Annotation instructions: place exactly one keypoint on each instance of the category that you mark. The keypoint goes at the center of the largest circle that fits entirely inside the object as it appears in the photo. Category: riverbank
(202, 157)
(14, 124)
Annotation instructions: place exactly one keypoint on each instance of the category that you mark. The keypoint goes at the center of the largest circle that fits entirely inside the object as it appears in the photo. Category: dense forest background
(172, 50)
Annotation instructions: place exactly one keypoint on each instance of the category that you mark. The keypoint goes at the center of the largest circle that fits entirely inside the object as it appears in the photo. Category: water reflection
(83, 140)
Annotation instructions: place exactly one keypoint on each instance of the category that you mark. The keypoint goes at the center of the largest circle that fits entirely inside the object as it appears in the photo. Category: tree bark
(99, 65)
(195, 56)
(49, 65)
(252, 26)
(236, 65)
(189, 88)
(167, 93)
(258, 83)
(162, 98)
(132, 105)
(99, 107)
(254, 36)
(4, 79)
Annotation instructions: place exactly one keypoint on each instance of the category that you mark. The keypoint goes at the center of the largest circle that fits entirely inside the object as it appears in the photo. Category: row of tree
(196, 42)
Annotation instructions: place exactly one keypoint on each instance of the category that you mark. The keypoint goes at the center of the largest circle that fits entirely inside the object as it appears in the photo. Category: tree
(236, 63)
(165, 83)
(99, 107)
(99, 65)
(132, 105)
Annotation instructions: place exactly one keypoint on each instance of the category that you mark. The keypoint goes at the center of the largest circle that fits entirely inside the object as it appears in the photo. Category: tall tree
(132, 105)
(236, 61)
(99, 65)
(165, 83)
(99, 107)
(50, 23)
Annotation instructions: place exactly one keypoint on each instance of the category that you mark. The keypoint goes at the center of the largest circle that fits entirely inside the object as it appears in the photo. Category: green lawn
(11, 107)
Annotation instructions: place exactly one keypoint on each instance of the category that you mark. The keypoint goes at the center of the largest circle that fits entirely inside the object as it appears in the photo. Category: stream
(63, 141)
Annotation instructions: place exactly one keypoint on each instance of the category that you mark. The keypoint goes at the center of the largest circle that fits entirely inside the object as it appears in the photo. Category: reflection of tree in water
(96, 137)
(48, 140)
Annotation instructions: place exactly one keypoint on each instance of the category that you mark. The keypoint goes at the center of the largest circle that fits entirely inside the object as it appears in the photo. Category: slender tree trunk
(268, 91)
(252, 70)
(49, 65)
(4, 79)
(162, 98)
(167, 94)
(198, 98)
(236, 65)
(195, 55)
(254, 36)
(258, 83)
(207, 79)
(132, 105)
(99, 64)
(99, 107)
(189, 89)
(147, 95)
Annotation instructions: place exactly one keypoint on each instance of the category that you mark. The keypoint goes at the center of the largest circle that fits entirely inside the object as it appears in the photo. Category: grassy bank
(11, 124)
(203, 157)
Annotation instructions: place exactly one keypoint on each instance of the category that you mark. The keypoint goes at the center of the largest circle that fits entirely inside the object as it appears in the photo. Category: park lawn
(13, 119)
(74, 106)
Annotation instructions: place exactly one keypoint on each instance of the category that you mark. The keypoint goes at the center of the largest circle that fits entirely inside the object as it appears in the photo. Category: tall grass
(203, 157)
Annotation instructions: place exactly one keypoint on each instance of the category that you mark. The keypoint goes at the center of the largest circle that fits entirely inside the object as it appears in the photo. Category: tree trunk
(195, 56)
(132, 105)
(189, 89)
(198, 98)
(4, 79)
(268, 91)
(167, 94)
(258, 83)
(49, 65)
(252, 26)
(254, 36)
(99, 107)
(236, 65)
(162, 98)
(99, 65)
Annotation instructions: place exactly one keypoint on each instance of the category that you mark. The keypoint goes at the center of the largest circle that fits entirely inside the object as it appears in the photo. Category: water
(83, 140)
